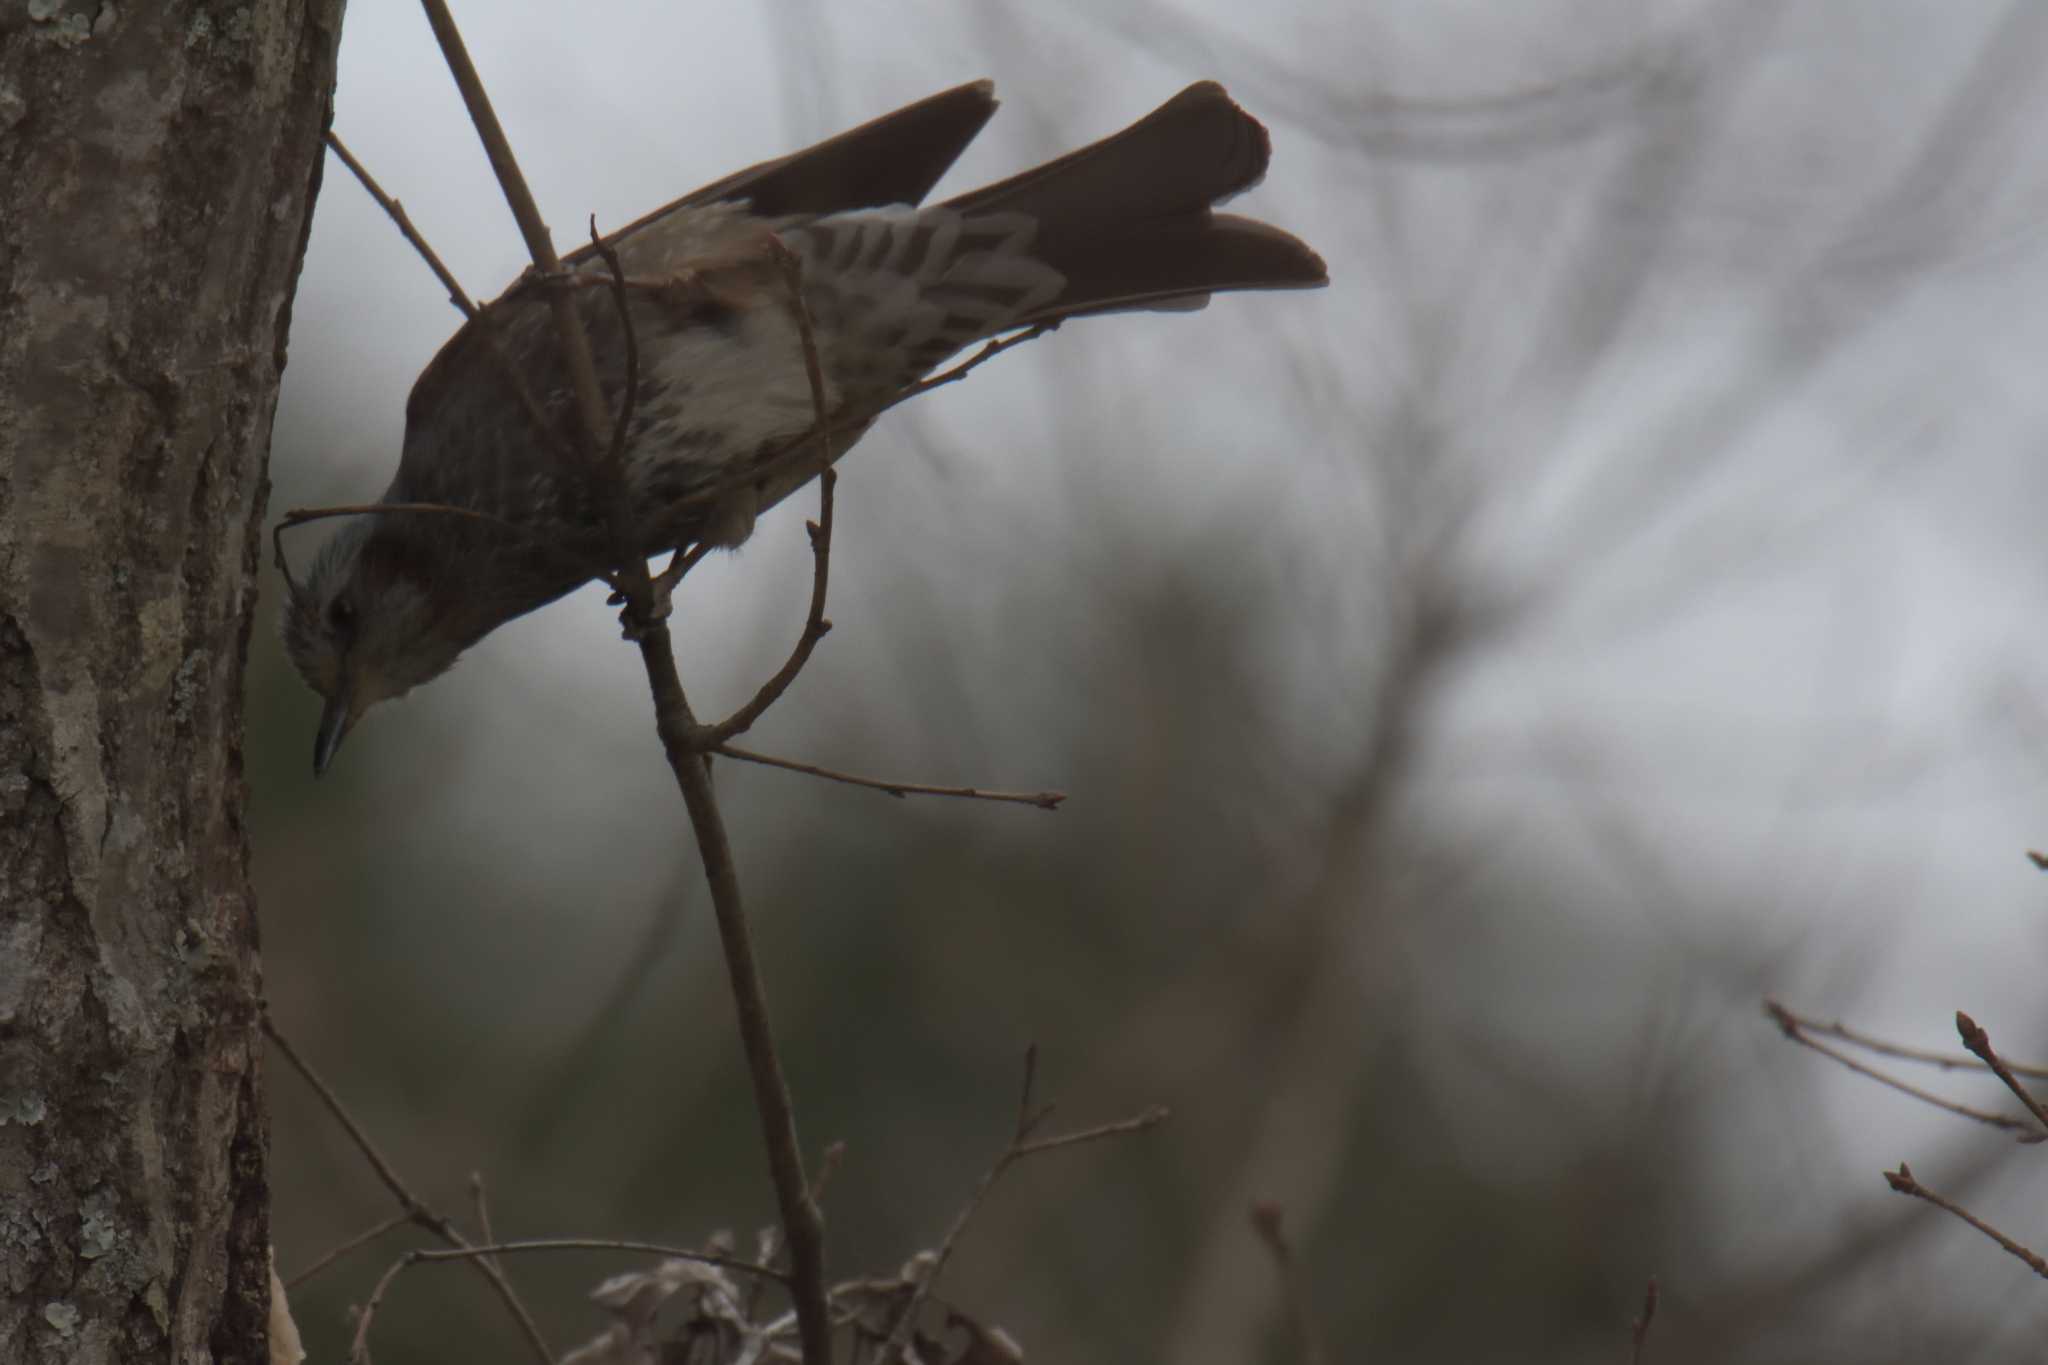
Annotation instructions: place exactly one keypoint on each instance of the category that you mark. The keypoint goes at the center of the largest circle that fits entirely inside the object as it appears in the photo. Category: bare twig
(1047, 800)
(815, 624)
(1020, 1147)
(416, 1210)
(1639, 1330)
(1267, 1221)
(1791, 1027)
(1902, 1180)
(1979, 1043)
(1947, 1061)
(363, 1238)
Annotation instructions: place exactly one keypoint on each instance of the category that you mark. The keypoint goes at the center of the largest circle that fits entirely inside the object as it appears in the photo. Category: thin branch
(815, 624)
(1979, 1043)
(416, 1210)
(363, 1238)
(1021, 1146)
(1902, 1180)
(1947, 1061)
(1047, 800)
(1267, 1222)
(1792, 1029)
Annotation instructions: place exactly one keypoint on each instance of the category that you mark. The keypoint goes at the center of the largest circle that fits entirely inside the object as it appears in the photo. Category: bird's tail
(1129, 221)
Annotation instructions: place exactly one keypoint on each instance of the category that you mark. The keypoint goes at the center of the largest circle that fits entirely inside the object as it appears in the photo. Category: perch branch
(803, 1226)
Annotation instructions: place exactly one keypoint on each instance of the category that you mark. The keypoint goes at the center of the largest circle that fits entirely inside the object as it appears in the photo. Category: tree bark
(158, 164)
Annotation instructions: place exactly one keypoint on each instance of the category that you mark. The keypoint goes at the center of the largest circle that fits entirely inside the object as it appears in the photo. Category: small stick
(1046, 800)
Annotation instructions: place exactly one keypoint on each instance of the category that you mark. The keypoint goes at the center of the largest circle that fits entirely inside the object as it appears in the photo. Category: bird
(490, 515)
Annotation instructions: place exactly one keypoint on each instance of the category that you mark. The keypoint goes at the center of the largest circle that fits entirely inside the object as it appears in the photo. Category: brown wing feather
(894, 159)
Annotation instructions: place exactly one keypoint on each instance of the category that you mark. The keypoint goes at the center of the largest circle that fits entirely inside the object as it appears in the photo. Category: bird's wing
(895, 159)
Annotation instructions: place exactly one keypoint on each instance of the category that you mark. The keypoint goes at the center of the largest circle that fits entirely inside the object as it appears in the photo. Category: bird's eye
(341, 614)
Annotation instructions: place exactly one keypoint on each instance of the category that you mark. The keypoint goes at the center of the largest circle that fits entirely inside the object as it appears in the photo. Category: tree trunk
(158, 164)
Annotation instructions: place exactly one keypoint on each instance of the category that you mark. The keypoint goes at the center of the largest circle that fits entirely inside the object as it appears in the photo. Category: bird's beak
(334, 723)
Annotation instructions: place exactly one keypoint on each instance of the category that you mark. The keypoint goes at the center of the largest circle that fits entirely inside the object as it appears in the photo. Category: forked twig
(1789, 1024)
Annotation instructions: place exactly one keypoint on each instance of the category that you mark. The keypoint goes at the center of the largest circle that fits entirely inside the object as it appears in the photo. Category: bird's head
(365, 626)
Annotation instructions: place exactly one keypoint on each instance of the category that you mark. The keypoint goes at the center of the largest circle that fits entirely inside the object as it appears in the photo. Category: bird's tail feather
(1128, 219)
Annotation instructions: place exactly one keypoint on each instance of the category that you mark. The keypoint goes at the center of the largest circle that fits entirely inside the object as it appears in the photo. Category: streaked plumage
(893, 290)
